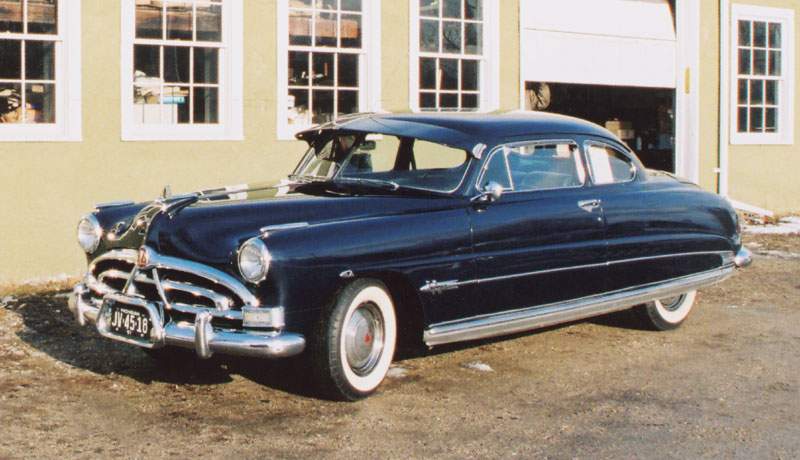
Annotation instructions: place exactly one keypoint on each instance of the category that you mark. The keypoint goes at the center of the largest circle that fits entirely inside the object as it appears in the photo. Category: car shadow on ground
(50, 328)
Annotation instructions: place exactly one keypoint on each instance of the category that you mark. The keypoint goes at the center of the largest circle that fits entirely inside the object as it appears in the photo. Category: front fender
(311, 264)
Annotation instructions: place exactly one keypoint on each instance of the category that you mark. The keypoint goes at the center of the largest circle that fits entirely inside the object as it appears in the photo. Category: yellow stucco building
(106, 100)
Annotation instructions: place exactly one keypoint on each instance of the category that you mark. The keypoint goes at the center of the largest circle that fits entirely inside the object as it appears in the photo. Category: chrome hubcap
(363, 335)
(672, 303)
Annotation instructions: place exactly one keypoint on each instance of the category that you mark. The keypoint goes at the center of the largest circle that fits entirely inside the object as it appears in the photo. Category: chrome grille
(185, 287)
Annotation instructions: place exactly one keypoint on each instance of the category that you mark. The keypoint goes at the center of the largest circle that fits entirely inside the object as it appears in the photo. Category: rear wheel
(356, 341)
(668, 313)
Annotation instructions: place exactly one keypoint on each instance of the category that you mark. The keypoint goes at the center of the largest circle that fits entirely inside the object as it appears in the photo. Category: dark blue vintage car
(434, 228)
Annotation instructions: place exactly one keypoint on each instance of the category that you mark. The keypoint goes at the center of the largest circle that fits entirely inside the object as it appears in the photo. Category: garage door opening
(642, 117)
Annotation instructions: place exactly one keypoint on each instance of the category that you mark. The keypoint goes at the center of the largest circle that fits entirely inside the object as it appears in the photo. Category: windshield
(381, 160)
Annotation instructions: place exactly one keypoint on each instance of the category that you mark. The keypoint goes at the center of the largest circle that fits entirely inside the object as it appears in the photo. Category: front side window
(327, 62)
(385, 162)
(451, 47)
(34, 67)
(762, 79)
(539, 166)
(180, 61)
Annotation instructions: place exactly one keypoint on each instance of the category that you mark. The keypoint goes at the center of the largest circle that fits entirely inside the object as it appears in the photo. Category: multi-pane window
(30, 41)
(178, 50)
(326, 53)
(760, 75)
(451, 54)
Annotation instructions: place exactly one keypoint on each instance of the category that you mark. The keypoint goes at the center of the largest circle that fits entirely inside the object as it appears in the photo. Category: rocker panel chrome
(530, 318)
(436, 287)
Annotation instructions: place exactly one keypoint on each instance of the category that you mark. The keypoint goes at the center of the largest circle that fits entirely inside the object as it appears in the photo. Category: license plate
(130, 321)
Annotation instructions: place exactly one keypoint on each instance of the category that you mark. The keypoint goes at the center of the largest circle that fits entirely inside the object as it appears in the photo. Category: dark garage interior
(642, 117)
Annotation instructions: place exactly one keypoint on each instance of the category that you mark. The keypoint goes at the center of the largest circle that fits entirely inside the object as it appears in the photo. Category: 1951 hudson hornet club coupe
(442, 228)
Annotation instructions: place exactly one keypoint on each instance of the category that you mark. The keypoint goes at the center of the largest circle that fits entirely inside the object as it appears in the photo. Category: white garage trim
(633, 44)
(665, 57)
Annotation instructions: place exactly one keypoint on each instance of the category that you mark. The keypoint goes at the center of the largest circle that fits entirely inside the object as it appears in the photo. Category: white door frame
(687, 90)
(687, 87)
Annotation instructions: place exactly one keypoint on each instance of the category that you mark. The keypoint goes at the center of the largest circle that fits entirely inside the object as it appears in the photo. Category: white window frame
(785, 134)
(369, 99)
(68, 125)
(489, 79)
(231, 86)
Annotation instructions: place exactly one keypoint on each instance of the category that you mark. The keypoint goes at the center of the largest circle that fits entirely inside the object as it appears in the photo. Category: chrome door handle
(589, 205)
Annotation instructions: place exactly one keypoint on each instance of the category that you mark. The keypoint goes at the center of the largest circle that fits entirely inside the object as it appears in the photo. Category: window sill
(38, 133)
(762, 139)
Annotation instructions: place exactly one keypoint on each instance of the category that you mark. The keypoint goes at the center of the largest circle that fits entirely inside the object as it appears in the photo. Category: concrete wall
(46, 187)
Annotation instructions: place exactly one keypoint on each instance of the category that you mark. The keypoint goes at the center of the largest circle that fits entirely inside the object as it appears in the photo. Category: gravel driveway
(725, 385)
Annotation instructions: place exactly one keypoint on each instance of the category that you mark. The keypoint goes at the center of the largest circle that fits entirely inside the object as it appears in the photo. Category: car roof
(462, 130)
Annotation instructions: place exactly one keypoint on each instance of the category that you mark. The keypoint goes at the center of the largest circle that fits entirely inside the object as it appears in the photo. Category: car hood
(211, 232)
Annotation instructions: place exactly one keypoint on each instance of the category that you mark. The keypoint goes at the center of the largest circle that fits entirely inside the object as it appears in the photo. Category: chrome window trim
(726, 256)
(470, 158)
(587, 143)
(511, 145)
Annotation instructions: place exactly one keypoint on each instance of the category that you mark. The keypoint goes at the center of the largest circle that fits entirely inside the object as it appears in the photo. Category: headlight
(254, 259)
(89, 233)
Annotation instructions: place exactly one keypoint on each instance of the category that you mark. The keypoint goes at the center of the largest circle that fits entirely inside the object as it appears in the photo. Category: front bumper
(200, 335)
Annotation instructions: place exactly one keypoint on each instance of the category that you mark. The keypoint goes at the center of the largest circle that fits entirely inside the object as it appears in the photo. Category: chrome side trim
(526, 319)
(265, 231)
(437, 287)
(726, 256)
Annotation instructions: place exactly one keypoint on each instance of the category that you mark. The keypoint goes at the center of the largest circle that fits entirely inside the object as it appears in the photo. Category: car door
(542, 241)
(650, 232)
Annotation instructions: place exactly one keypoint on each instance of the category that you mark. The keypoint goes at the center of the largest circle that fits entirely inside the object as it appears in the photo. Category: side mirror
(491, 193)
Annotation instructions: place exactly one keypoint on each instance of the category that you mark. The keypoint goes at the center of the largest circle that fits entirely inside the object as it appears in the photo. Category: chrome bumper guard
(743, 258)
(200, 335)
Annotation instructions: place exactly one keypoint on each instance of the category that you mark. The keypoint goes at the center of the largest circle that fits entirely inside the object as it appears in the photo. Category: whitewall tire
(356, 341)
(669, 313)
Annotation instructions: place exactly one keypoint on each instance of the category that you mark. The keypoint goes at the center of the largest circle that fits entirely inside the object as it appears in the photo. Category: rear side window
(608, 165)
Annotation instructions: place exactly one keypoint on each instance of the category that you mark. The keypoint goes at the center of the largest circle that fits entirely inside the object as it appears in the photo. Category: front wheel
(355, 342)
(668, 313)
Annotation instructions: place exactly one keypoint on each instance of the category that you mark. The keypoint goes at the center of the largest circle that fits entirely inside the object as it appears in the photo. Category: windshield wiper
(306, 179)
(379, 183)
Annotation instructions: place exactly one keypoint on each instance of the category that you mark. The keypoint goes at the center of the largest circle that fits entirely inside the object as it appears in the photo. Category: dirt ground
(724, 385)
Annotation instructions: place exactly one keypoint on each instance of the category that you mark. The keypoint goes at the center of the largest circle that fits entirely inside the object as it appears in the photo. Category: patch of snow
(478, 366)
(397, 372)
(8, 300)
(787, 226)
